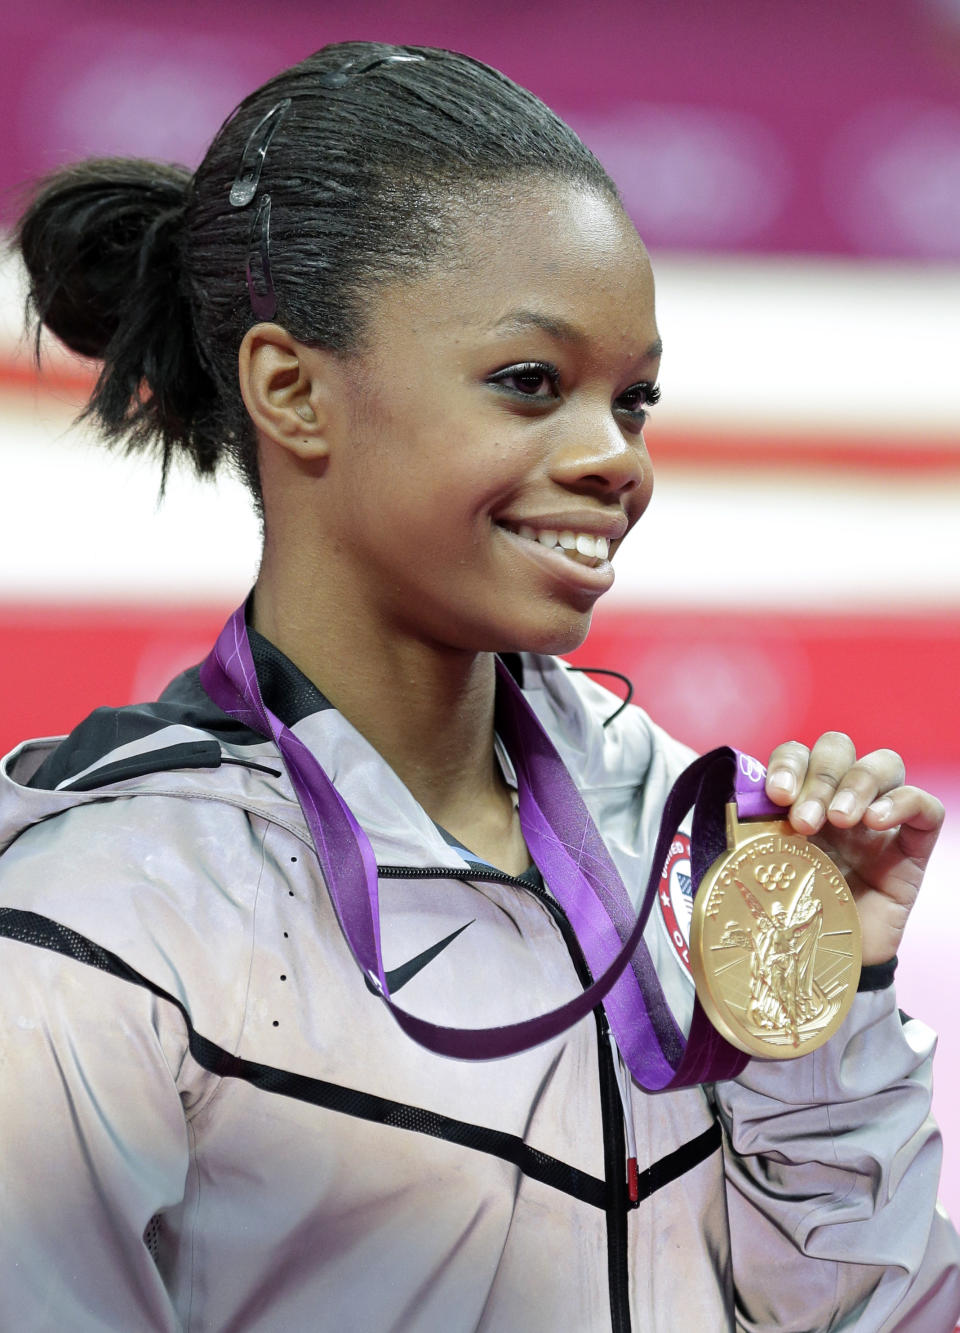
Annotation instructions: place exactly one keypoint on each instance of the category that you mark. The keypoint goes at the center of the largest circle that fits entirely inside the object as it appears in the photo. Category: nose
(598, 457)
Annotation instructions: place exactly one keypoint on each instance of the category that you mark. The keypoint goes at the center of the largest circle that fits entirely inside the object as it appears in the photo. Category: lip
(596, 579)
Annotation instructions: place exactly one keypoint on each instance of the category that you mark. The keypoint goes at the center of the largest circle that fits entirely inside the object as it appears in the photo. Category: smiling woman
(402, 299)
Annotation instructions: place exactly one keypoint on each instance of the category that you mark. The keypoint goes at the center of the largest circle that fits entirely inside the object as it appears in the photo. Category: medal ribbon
(568, 851)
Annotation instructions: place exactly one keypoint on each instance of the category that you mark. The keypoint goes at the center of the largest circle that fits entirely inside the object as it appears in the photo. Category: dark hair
(335, 175)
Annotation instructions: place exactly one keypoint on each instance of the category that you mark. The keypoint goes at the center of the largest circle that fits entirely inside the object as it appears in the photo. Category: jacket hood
(172, 746)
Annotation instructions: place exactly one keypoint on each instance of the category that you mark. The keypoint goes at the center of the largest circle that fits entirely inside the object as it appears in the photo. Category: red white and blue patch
(675, 897)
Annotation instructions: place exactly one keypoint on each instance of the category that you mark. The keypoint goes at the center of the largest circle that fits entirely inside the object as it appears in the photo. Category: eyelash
(546, 369)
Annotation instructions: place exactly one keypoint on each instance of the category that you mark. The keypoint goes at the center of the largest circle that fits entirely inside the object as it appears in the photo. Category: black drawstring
(606, 671)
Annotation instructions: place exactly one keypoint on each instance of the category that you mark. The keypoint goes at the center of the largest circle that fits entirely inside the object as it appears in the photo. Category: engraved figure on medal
(784, 994)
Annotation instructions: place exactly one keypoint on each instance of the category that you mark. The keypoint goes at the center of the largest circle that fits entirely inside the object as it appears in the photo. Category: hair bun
(95, 235)
(102, 243)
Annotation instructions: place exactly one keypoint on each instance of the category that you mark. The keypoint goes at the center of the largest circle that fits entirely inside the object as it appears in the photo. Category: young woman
(405, 301)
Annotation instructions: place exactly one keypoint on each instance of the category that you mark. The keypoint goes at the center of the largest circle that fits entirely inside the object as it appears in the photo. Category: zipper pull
(626, 1102)
(633, 1182)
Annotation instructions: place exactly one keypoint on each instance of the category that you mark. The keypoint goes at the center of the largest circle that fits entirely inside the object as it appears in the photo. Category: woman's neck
(427, 711)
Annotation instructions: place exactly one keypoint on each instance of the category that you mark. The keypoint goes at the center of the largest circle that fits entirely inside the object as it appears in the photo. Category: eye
(529, 379)
(635, 400)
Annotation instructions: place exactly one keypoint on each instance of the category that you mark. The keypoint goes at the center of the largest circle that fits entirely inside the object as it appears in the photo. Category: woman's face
(495, 459)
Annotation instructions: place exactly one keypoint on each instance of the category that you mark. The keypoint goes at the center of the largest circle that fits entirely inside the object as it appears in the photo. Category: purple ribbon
(571, 856)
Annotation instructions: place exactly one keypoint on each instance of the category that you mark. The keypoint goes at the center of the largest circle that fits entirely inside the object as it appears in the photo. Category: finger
(918, 814)
(786, 771)
(831, 758)
(889, 874)
(898, 827)
(871, 776)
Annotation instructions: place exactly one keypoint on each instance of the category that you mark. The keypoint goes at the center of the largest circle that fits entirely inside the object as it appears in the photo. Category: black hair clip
(263, 298)
(247, 178)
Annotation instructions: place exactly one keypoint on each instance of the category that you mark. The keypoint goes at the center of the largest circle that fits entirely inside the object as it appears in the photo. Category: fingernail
(782, 780)
(844, 803)
(811, 812)
(882, 808)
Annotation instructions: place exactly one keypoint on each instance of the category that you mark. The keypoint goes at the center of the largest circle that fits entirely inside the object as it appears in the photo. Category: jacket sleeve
(832, 1166)
(93, 1143)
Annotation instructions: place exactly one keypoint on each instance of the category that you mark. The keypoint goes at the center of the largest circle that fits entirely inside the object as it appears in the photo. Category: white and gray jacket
(209, 1123)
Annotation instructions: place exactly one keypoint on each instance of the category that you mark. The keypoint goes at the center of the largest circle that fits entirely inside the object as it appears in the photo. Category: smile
(585, 548)
(560, 553)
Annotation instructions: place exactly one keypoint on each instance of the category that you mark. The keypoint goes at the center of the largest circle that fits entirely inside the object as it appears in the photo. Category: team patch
(676, 897)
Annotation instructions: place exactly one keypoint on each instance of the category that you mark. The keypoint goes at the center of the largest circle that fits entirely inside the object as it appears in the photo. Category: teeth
(584, 543)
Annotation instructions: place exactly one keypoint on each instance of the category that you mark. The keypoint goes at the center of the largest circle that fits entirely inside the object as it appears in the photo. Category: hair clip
(263, 298)
(374, 61)
(337, 78)
(247, 178)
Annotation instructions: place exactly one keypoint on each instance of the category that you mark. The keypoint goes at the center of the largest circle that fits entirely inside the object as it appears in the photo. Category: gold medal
(774, 941)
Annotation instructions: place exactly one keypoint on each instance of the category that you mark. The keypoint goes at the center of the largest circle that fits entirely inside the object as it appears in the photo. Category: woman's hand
(878, 831)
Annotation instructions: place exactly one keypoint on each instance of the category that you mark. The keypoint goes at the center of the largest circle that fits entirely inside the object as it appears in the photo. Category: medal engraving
(775, 941)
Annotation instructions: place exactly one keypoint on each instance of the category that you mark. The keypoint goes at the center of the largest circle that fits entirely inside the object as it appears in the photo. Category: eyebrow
(519, 320)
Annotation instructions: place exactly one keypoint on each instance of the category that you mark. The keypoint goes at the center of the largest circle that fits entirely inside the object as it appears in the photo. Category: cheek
(469, 472)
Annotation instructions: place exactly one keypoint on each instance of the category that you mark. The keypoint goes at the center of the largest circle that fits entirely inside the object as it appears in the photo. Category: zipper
(613, 1106)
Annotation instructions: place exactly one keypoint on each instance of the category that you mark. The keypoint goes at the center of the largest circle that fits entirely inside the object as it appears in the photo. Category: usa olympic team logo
(676, 897)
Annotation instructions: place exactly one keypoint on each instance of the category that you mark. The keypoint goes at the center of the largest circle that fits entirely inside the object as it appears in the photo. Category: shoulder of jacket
(167, 882)
(180, 746)
(182, 716)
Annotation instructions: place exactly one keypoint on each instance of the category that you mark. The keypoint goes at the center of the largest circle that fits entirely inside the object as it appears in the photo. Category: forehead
(563, 254)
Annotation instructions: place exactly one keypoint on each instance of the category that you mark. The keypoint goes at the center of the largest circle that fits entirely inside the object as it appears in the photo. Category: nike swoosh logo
(399, 976)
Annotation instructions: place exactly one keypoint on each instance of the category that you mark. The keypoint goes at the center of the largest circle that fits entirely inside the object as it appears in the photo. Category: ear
(285, 389)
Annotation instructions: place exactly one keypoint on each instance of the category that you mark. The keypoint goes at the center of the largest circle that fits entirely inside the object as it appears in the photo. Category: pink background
(821, 126)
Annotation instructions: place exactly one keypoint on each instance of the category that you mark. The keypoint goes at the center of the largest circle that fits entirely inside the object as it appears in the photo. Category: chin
(556, 639)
